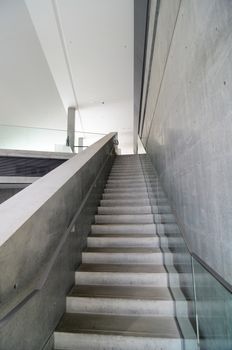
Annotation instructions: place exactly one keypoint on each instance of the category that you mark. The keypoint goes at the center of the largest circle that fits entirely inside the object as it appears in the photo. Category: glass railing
(203, 300)
(43, 139)
(214, 310)
(85, 139)
(32, 139)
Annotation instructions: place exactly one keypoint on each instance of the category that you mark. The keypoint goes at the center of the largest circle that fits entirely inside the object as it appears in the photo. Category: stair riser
(123, 203)
(131, 202)
(133, 279)
(136, 196)
(127, 173)
(134, 210)
(134, 258)
(131, 188)
(137, 189)
(123, 258)
(124, 229)
(124, 219)
(130, 171)
(125, 210)
(132, 177)
(94, 242)
(125, 279)
(134, 219)
(161, 229)
(124, 306)
(123, 242)
(130, 183)
(79, 341)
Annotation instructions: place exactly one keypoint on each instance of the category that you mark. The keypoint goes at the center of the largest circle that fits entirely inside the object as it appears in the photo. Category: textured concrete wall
(38, 223)
(140, 17)
(188, 124)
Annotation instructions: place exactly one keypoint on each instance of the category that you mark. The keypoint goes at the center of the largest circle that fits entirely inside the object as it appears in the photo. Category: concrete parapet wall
(33, 223)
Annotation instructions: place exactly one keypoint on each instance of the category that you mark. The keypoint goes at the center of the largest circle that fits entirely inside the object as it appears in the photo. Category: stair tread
(157, 327)
(129, 235)
(123, 250)
(125, 292)
(126, 268)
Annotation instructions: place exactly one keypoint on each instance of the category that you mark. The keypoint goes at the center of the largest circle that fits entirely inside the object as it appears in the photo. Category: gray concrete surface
(187, 134)
(188, 123)
(121, 288)
(140, 13)
(33, 223)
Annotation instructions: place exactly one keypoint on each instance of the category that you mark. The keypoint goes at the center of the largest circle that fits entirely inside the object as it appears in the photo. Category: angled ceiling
(28, 92)
(88, 45)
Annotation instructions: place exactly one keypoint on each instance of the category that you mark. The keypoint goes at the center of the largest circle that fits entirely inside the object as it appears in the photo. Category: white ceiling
(88, 45)
(28, 94)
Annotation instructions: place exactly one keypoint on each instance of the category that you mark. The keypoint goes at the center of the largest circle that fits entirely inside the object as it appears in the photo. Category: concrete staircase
(128, 292)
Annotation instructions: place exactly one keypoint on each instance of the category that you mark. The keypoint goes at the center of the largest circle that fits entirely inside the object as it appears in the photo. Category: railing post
(80, 144)
(71, 128)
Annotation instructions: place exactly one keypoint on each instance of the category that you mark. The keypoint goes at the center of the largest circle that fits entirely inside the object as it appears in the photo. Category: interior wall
(188, 123)
(28, 93)
(140, 23)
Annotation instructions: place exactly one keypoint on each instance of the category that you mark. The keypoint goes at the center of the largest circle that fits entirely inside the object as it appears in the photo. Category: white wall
(27, 89)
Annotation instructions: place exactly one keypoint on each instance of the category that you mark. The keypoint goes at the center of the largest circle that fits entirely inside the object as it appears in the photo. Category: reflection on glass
(43, 139)
(214, 307)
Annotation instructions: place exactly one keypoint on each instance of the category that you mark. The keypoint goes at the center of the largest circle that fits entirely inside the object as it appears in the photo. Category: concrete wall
(140, 19)
(188, 122)
(31, 233)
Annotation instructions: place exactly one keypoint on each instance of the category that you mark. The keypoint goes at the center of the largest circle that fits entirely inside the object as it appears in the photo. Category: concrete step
(146, 209)
(139, 189)
(137, 196)
(122, 256)
(123, 169)
(124, 196)
(121, 300)
(135, 255)
(124, 229)
(132, 177)
(161, 229)
(146, 241)
(123, 275)
(116, 332)
(123, 184)
(131, 202)
(124, 202)
(124, 219)
(129, 182)
(133, 275)
(127, 172)
(125, 210)
(134, 219)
